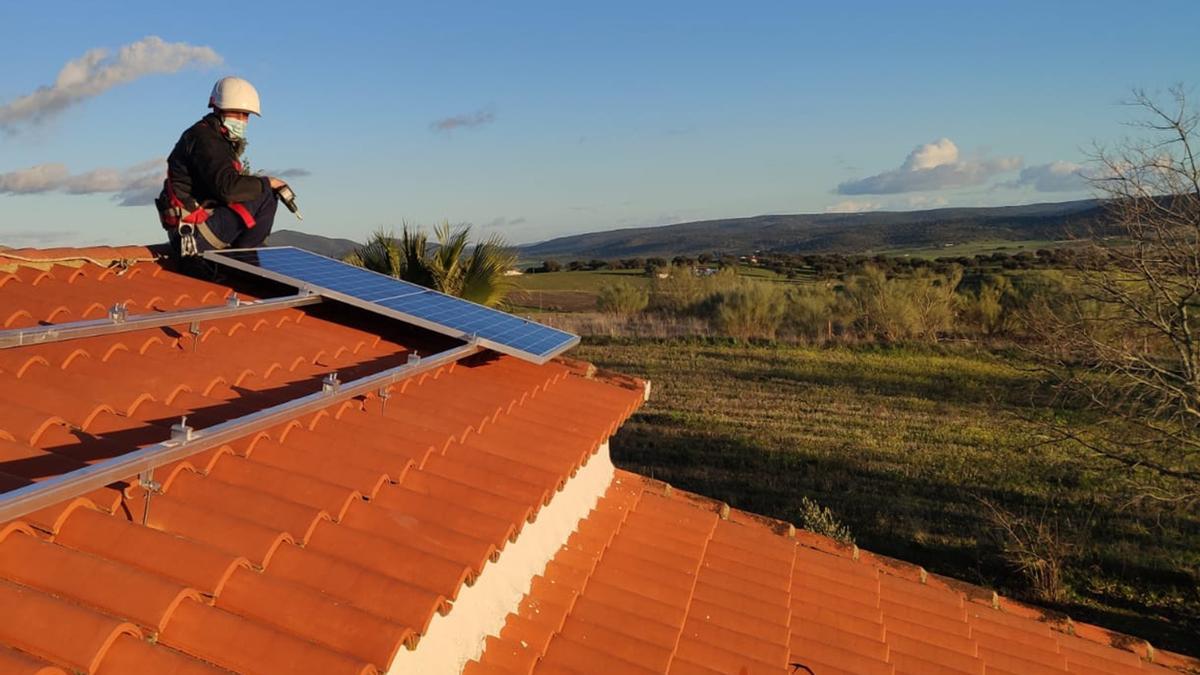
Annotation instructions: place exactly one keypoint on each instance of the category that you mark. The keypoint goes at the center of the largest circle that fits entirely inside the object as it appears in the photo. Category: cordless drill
(289, 200)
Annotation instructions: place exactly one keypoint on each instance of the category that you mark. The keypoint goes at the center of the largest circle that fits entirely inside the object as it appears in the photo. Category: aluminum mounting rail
(185, 441)
(119, 321)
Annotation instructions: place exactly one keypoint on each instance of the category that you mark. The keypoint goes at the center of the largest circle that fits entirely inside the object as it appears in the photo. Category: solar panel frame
(397, 299)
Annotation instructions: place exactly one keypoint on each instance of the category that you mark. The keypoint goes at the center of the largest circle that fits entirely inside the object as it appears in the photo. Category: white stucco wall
(480, 610)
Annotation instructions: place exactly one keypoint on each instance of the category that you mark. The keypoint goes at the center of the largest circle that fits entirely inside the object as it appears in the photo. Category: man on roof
(209, 199)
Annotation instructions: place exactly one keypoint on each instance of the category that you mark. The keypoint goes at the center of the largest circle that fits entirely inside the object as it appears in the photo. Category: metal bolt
(330, 384)
(152, 487)
(118, 313)
(181, 432)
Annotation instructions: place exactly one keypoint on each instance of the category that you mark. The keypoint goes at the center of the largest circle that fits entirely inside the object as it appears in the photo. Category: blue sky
(541, 119)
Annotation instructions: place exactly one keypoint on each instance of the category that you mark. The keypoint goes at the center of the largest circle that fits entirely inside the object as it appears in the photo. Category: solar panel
(402, 300)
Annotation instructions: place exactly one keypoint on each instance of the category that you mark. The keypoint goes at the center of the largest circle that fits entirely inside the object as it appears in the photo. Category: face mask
(236, 128)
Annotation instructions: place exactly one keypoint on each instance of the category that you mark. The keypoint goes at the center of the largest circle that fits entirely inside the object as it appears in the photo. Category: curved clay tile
(18, 361)
(467, 541)
(167, 474)
(19, 663)
(83, 356)
(129, 655)
(320, 618)
(59, 314)
(28, 425)
(32, 276)
(146, 345)
(246, 646)
(111, 587)
(51, 518)
(236, 536)
(381, 595)
(282, 514)
(14, 527)
(57, 631)
(192, 563)
(400, 561)
(96, 310)
(20, 319)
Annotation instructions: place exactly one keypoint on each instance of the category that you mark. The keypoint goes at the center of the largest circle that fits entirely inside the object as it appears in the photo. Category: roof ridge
(101, 256)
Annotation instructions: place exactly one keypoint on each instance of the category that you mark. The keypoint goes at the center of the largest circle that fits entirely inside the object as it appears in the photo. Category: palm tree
(478, 276)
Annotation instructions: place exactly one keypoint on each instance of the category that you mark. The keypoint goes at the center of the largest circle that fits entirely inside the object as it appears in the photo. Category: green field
(973, 248)
(590, 280)
(902, 444)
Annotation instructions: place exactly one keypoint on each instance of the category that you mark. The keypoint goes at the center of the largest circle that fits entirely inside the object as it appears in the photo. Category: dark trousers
(227, 226)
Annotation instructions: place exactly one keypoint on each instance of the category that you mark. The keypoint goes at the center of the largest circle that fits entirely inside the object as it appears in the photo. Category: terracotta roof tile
(19, 663)
(731, 593)
(333, 542)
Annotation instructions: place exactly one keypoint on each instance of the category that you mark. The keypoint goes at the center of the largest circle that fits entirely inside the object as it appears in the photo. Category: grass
(577, 291)
(974, 248)
(901, 445)
(590, 280)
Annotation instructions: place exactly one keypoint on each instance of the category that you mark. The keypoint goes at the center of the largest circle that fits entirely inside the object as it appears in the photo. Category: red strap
(242, 211)
(195, 217)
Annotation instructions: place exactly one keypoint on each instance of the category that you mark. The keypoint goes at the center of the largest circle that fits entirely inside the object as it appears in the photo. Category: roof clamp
(181, 433)
(330, 384)
(384, 394)
(118, 312)
(233, 301)
(152, 487)
(194, 331)
(414, 358)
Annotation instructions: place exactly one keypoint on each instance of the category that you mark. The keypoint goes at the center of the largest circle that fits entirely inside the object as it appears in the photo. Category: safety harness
(187, 223)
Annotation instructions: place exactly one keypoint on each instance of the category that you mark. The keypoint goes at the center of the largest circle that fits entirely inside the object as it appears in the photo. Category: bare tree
(1127, 342)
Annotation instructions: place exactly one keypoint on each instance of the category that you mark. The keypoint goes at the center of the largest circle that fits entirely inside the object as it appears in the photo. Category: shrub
(817, 313)
(895, 309)
(622, 298)
(1039, 547)
(751, 309)
(820, 520)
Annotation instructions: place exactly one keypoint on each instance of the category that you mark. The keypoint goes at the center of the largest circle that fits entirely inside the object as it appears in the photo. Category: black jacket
(203, 169)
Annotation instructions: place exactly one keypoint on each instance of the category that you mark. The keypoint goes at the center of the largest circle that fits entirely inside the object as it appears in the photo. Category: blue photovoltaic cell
(430, 309)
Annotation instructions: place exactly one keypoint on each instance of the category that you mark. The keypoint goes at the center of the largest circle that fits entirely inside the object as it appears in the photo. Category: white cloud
(40, 178)
(932, 166)
(134, 186)
(1053, 177)
(924, 201)
(97, 71)
(854, 206)
(502, 222)
(466, 121)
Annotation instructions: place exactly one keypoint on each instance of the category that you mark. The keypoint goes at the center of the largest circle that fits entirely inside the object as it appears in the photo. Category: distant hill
(827, 232)
(330, 246)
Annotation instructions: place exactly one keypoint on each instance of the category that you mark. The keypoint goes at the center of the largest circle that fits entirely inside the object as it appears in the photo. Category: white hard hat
(234, 93)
